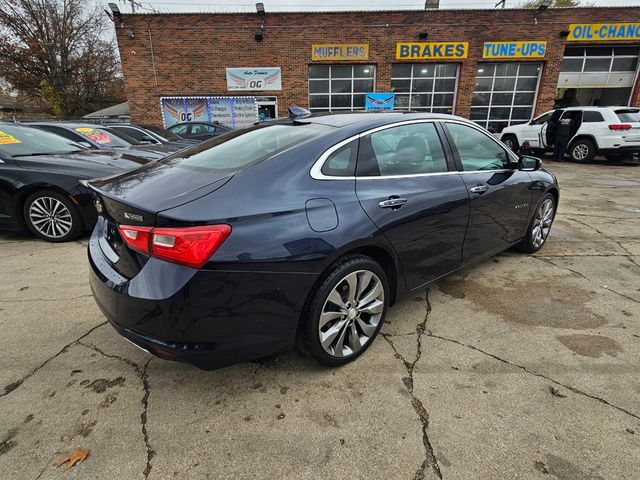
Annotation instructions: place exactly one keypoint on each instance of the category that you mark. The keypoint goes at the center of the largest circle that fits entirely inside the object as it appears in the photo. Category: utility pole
(133, 6)
(503, 2)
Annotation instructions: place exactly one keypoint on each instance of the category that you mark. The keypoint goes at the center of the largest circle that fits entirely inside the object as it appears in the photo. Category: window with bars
(504, 94)
(340, 87)
(428, 87)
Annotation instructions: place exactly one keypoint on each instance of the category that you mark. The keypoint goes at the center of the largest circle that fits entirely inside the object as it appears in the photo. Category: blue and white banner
(268, 78)
(379, 101)
(234, 112)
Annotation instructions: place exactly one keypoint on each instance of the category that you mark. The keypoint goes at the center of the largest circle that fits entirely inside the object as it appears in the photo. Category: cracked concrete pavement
(519, 367)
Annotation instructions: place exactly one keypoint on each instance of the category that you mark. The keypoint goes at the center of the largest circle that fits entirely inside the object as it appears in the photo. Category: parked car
(40, 175)
(150, 134)
(95, 136)
(200, 131)
(611, 131)
(148, 148)
(303, 232)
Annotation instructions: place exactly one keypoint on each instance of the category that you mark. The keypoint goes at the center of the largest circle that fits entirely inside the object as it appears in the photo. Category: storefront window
(426, 87)
(340, 87)
(504, 94)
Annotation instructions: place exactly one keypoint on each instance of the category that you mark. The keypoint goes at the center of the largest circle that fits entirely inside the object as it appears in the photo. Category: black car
(302, 232)
(150, 134)
(200, 131)
(95, 136)
(40, 175)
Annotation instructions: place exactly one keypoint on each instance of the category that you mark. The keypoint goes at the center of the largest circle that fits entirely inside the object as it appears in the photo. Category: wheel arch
(583, 136)
(20, 197)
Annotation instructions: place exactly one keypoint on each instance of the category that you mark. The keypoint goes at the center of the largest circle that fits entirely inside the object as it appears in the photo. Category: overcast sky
(302, 5)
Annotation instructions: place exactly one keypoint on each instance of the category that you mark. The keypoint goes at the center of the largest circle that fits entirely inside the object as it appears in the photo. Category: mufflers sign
(340, 52)
(431, 50)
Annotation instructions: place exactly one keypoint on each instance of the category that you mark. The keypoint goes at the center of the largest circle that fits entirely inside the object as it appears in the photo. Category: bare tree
(555, 3)
(56, 50)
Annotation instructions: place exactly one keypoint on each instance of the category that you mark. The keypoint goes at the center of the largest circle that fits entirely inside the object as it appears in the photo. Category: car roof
(372, 119)
(69, 125)
(589, 107)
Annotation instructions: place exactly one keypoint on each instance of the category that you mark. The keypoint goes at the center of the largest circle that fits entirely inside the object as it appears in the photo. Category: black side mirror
(529, 164)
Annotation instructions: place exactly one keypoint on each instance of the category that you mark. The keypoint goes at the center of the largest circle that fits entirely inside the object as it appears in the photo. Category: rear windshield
(18, 141)
(104, 137)
(628, 115)
(242, 148)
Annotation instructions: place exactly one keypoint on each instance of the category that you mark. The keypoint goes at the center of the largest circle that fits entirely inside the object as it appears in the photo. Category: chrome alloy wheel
(580, 151)
(351, 313)
(50, 217)
(509, 142)
(542, 223)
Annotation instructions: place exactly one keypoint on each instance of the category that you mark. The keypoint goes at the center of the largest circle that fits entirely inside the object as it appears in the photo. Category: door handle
(479, 189)
(393, 203)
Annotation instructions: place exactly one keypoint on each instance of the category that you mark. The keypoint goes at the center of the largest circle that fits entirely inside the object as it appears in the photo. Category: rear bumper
(623, 150)
(210, 319)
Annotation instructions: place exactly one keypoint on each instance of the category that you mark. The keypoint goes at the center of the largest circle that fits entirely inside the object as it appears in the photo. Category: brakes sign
(95, 135)
(6, 139)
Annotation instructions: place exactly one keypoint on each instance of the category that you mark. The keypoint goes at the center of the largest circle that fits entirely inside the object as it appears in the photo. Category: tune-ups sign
(514, 49)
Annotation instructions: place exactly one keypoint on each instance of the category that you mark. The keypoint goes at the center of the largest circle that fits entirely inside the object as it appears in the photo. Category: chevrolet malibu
(302, 232)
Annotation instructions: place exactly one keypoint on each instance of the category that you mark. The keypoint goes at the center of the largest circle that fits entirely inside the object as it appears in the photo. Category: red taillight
(190, 246)
(620, 126)
(136, 237)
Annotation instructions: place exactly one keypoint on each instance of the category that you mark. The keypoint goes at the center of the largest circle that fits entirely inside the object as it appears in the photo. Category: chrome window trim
(316, 169)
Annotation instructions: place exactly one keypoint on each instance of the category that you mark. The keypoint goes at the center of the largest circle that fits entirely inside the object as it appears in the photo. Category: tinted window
(102, 137)
(199, 128)
(63, 132)
(16, 141)
(592, 116)
(542, 119)
(404, 150)
(167, 134)
(245, 147)
(477, 150)
(342, 163)
(628, 115)
(179, 129)
(132, 132)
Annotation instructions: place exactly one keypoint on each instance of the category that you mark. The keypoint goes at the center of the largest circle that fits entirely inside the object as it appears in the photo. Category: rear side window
(342, 162)
(404, 150)
(179, 129)
(242, 148)
(590, 116)
(628, 115)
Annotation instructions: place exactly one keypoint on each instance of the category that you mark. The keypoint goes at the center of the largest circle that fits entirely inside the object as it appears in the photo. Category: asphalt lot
(520, 367)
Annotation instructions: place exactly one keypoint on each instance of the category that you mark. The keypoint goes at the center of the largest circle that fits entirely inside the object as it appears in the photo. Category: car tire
(540, 225)
(52, 217)
(345, 312)
(582, 151)
(511, 141)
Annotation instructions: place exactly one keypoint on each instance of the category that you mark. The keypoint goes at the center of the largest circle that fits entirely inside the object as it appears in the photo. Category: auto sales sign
(268, 78)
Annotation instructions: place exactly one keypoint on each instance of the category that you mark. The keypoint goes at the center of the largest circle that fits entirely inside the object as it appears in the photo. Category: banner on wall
(379, 101)
(234, 112)
(254, 78)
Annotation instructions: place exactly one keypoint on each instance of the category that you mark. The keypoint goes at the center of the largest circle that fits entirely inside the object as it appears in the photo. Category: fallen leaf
(78, 456)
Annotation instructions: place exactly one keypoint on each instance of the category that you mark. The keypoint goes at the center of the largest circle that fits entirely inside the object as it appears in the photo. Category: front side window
(477, 150)
(542, 119)
(340, 87)
(404, 150)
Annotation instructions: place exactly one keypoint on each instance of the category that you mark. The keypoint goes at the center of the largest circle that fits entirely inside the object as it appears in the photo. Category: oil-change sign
(603, 32)
(431, 50)
(514, 49)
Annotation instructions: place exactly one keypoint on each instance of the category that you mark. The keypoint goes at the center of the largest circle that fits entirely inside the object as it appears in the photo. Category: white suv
(611, 131)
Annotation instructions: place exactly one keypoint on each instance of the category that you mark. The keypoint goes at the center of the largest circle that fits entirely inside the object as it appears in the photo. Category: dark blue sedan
(302, 232)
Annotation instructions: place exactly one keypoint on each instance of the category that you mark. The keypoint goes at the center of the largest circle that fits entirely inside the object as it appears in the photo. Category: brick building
(496, 67)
